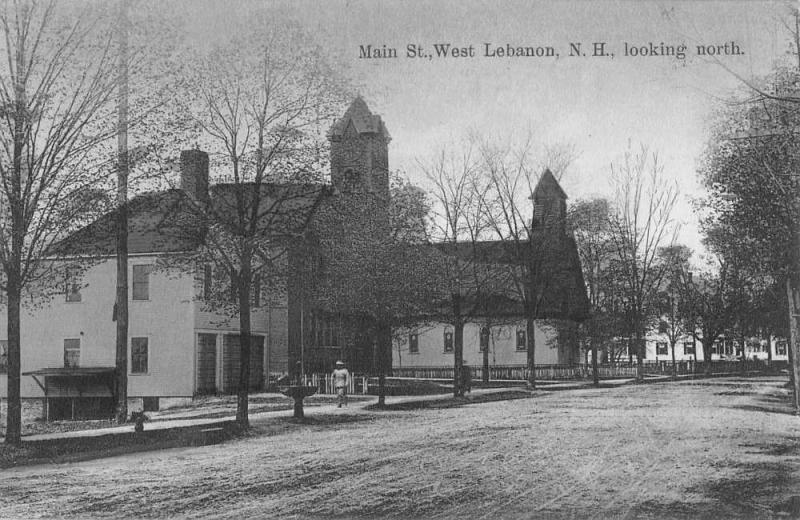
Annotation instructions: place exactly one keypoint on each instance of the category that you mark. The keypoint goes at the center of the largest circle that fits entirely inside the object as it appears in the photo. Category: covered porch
(72, 393)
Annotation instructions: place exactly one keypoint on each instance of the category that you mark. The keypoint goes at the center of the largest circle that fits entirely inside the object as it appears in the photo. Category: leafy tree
(749, 170)
(373, 263)
(591, 226)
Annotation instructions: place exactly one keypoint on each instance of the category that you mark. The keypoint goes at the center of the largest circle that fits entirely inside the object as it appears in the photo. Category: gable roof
(169, 221)
(362, 120)
(548, 187)
(559, 269)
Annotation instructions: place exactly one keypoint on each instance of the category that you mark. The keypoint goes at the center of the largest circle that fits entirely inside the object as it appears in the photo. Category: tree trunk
(769, 349)
(458, 345)
(458, 357)
(14, 269)
(485, 371)
(794, 346)
(14, 412)
(674, 367)
(384, 340)
(707, 346)
(639, 355)
(121, 314)
(595, 369)
(790, 359)
(530, 332)
(243, 280)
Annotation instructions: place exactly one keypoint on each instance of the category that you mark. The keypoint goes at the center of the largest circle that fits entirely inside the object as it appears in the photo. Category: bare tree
(534, 236)
(55, 88)
(261, 105)
(641, 225)
(462, 221)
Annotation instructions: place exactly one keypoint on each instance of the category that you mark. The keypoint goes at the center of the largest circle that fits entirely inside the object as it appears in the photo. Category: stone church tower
(360, 151)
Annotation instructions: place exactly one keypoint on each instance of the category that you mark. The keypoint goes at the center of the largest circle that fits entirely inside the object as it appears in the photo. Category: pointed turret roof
(548, 186)
(364, 121)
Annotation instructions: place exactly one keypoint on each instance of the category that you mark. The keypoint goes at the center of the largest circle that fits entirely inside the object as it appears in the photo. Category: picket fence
(584, 371)
(324, 383)
(359, 384)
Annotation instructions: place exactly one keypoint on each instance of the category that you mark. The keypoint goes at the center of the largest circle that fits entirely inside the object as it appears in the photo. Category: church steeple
(549, 204)
(360, 150)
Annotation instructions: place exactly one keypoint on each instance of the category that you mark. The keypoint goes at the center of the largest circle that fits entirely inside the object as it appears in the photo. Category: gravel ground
(718, 448)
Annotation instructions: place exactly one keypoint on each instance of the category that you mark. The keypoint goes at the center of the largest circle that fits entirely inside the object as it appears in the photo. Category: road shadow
(768, 403)
(453, 402)
(761, 490)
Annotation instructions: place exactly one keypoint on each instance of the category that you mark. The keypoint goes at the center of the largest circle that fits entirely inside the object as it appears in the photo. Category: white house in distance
(657, 348)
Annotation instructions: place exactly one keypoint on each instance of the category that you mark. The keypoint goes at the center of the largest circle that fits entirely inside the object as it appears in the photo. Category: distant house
(657, 348)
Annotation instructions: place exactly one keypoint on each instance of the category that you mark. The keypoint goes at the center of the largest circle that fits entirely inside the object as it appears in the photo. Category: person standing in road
(341, 378)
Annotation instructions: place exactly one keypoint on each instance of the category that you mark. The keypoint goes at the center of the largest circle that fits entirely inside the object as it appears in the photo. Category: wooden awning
(74, 383)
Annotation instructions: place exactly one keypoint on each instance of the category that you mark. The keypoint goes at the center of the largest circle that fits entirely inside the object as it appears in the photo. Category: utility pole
(121, 306)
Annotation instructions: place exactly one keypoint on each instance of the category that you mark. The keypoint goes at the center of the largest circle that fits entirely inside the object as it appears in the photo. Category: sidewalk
(357, 407)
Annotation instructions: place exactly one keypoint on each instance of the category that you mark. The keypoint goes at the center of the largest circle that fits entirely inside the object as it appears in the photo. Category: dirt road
(721, 448)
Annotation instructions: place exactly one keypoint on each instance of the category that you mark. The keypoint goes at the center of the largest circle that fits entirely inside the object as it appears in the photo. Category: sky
(600, 105)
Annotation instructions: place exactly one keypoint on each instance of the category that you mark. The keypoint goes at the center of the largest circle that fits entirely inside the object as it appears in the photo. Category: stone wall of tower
(360, 162)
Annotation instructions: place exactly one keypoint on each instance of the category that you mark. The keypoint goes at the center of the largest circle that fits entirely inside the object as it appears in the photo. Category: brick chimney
(194, 174)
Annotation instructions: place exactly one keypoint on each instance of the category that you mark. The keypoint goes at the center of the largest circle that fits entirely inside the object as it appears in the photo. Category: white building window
(413, 343)
(72, 289)
(72, 353)
(140, 353)
(448, 340)
(522, 340)
(141, 282)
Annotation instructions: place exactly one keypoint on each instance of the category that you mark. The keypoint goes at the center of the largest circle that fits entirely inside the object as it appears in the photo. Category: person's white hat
(339, 363)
